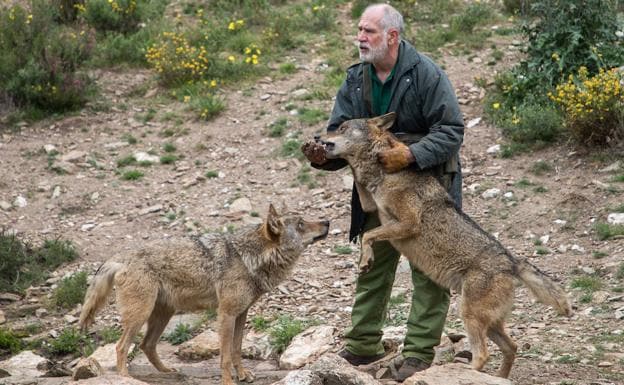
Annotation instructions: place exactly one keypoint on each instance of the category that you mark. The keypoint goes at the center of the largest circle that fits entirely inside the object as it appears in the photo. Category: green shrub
(132, 175)
(540, 167)
(291, 148)
(605, 230)
(343, 249)
(9, 342)
(568, 35)
(23, 266)
(70, 291)
(169, 147)
(278, 127)
(283, 330)
(39, 67)
(588, 283)
(211, 174)
(181, 333)
(260, 323)
(53, 253)
(114, 15)
(71, 341)
(474, 14)
(312, 116)
(168, 159)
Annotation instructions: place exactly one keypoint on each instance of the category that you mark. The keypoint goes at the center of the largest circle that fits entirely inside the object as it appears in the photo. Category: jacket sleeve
(443, 117)
(342, 111)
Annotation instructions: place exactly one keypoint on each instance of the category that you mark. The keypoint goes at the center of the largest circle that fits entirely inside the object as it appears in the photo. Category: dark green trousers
(427, 312)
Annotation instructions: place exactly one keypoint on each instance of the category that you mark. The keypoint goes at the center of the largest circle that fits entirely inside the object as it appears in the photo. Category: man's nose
(317, 138)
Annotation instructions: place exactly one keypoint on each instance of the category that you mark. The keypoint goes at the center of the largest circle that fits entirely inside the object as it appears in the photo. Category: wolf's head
(358, 135)
(292, 228)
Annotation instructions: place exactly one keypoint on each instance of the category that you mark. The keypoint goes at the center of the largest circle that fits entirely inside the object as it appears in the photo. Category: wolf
(225, 272)
(421, 221)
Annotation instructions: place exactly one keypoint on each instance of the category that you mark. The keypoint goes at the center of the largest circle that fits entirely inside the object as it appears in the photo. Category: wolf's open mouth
(328, 145)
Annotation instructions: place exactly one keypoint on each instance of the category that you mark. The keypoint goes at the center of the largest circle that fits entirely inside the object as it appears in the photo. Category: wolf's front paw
(366, 261)
(245, 375)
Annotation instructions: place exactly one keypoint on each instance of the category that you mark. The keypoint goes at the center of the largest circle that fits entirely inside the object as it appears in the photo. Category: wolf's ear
(383, 122)
(273, 222)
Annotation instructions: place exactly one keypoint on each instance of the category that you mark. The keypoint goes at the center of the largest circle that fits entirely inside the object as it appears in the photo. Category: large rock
(306, 346)
(106, 356)
(300, 377)
(454, 374)
(335, 370)
(25, 364)
(87, 367)
(203, 346)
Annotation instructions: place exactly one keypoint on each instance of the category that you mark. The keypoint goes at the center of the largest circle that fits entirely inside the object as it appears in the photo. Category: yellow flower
(555, 56)
(247, 50)
(231, 58)
(187, 99)
(496, 106)
(232, 26)
(213, 83)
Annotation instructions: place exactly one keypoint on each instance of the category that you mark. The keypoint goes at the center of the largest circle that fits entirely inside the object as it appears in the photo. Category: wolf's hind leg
(242, 373)
(478, 342)
(156, 323)
(135, 303)
(498, 335)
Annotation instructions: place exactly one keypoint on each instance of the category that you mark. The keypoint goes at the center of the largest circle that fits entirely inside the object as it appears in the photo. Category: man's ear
(273, 222)
(383, 122)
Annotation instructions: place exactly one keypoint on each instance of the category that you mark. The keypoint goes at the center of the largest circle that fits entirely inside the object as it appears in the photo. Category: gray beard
(375, 54)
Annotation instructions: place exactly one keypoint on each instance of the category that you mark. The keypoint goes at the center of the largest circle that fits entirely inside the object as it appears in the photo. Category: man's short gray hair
(391, 17)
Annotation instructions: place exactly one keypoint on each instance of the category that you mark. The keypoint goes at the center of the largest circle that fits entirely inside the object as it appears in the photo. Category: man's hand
(396, 159)
(314, 151)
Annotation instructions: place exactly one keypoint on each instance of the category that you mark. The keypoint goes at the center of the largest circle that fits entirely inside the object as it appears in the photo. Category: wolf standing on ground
(393, 76)
(215, 271)
(423, 223)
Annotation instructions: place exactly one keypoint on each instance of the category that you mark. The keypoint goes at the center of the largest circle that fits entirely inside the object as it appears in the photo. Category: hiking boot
(410, 366)
(356, 360)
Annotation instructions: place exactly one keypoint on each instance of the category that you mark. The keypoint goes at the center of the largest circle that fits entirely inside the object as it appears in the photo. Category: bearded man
(393, 77)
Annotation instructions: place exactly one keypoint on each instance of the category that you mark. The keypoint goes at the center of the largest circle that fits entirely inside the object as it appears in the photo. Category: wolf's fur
(217, 271)
(421, 221)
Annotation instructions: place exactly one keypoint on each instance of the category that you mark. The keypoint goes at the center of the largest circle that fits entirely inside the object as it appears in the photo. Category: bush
(23, 266)
(71, 341)
(181, 333)
(40, 60)
(283, 330)
(70, 291)
(114, 15)
(10, 343)
(593, 106)
(569, 35)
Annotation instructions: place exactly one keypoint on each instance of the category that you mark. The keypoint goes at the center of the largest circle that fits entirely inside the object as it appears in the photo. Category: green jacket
(426, 105)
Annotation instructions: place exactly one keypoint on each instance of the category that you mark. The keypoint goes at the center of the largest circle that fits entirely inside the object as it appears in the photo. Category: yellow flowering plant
(593, 106)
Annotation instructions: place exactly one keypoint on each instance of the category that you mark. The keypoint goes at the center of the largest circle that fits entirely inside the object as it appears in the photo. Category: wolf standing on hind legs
(393, 76)
(422, 222)
(215, 271)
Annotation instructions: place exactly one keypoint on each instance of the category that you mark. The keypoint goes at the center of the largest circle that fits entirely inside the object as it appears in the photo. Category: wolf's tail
(98, 292)
(543, 288)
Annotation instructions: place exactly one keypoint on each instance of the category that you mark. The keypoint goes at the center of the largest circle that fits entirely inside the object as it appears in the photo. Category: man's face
(372, 41)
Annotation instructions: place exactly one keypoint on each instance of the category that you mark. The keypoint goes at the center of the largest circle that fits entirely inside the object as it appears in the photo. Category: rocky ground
(89, 204)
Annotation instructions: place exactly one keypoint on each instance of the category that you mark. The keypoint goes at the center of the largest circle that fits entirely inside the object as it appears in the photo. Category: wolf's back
(544, 289)
(98, 292)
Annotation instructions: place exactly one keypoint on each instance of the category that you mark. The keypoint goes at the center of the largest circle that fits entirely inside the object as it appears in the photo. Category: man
(393, 76)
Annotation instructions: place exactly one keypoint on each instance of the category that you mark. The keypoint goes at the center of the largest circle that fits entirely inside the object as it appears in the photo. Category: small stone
(20, 201)
(491, 193)
(495, 149)
(616, 218)
(264, 97)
